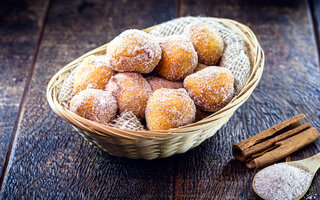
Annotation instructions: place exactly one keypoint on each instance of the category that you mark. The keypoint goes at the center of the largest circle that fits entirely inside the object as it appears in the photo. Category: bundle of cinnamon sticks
(275, 143)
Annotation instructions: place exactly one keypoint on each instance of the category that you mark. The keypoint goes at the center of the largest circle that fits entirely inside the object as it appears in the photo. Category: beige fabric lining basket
(158, 144)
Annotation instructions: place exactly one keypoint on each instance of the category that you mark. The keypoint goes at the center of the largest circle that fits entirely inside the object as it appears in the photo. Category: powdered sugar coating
(133, 51)
(211, 88)
(158, 82)
(169, 108)
(282, 181)
(206, 40)
(94, 72)
(132, 92)
(179, 58)
(96, 105)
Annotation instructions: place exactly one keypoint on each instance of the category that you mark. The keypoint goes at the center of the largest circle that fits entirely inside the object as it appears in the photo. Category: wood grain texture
(315, 14)
(20, 27)
(289, 86)
(53, 161)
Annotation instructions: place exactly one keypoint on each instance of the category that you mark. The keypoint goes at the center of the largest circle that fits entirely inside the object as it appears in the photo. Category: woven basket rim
(257, 64)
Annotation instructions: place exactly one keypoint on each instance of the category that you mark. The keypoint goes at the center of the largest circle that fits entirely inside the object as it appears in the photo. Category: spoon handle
(312, 163)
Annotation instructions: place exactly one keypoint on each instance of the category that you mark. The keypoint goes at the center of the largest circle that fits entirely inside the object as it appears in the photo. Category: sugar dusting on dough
(132, 92)
(169, 108)
(134, 51)
(206, 40)
(96, 105)
(93, 72)
(209, 88)
(179, 57)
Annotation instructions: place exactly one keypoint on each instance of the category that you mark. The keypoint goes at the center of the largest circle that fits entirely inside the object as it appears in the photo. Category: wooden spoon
(311, 165)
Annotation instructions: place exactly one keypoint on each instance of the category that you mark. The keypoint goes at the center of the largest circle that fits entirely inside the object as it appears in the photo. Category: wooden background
(41, 156)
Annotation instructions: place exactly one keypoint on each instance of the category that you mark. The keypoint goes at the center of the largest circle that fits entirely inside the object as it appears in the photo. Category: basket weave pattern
(158, 144)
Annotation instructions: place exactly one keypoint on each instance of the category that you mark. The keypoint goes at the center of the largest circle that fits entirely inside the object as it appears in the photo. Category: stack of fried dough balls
(164, 82)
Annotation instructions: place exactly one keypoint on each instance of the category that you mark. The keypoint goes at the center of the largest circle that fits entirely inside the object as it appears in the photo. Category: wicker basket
(158, 144)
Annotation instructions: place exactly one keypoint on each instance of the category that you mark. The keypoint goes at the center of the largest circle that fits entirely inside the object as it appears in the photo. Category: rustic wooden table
(42, 157)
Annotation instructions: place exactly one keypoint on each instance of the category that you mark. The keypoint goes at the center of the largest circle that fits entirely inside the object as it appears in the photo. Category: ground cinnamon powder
(282, 181)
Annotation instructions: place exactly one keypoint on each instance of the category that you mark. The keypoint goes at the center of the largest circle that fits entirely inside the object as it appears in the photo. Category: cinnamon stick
(239, 149)
(275, 143)
(266, 144)
(286, 147)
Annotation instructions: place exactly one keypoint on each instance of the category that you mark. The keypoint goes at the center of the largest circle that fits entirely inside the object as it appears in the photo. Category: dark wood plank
(20, 27)
(289, 86)
(315, 14)
(53, 161)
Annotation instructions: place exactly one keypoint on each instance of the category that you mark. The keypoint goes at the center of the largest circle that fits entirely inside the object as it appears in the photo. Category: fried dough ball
(179, 58)
(169, 108)
(207, 42)
(200, 67)
(211, 88)
(96, 105)
(93, 72)
(158, 82)
(133, 51)
(132, 92)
